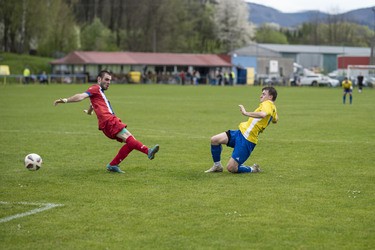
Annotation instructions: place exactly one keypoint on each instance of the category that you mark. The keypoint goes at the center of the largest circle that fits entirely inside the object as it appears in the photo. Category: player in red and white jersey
(100, 104)
(110, 124)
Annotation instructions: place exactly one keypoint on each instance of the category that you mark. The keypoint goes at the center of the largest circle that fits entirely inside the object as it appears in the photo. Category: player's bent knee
(123, 134)
(219, 139)
(232, 168)
(214, 140)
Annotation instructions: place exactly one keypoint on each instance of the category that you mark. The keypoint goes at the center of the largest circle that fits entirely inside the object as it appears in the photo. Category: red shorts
(111, 128)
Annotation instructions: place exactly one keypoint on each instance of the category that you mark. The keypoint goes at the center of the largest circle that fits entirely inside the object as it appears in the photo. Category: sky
(327, 6)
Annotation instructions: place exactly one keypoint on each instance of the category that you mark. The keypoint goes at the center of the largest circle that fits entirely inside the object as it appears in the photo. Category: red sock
(124, 151)
(134, 144)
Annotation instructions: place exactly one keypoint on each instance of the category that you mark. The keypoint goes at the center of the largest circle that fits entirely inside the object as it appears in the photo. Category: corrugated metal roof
(256, 50)
(283, 48)
(141, 58)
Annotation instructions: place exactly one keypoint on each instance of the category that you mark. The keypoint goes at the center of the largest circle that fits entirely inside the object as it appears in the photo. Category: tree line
(335, 30)
(54, 28)
(339, 34)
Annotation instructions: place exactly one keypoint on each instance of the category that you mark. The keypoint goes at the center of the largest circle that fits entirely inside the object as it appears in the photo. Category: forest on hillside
(55, 28)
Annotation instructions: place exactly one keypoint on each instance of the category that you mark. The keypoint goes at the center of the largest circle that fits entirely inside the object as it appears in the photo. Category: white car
(368, 81)
(314, 80)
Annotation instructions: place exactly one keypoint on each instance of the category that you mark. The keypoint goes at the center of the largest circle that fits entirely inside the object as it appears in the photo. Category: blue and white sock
(244, 169)
(216, 152)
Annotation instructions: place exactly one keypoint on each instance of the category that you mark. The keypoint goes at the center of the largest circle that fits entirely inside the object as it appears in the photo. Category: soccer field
(316, 191)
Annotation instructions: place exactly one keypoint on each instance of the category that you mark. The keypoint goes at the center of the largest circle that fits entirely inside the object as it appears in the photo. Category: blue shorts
(242, 147)
(348, 91)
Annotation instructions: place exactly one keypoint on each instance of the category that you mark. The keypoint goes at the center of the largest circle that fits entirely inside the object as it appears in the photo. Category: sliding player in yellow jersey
(245, 139)
(348, 88)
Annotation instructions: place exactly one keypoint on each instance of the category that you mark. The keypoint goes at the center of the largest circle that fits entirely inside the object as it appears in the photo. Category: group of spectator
(190, 77)
(221, 78)
(214, 77)
(28, 77)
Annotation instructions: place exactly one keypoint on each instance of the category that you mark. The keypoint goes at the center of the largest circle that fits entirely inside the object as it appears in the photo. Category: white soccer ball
(33, 162)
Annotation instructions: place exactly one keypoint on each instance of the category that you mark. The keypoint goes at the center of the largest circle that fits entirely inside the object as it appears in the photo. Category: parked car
(340, 79)
(270, 80)
(315, 80)
(368, 81)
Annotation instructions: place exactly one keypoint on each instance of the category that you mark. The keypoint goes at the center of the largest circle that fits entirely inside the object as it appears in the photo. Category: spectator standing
(212, 78)
(194, 77)
(26, 75)
(298, 80)
(197, 77)
(231, 77)
(360, 82)
(182, 77)
(226, 78)
(188, 77)
(220, 79)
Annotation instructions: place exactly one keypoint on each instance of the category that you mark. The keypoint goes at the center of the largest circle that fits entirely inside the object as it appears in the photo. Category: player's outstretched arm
(243, 110)
(89, 110)
(260, 114)
(75, 98)
(276, 119)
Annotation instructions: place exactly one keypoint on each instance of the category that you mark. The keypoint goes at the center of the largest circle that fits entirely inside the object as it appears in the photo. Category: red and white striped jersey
(100, 104)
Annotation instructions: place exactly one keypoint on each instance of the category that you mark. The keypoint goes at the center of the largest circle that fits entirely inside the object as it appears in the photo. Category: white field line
(170, 134)
(316, 141)
(156, 133)
(34, 211)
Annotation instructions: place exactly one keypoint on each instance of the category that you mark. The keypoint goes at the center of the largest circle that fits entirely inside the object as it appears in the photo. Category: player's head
(269, 93)
(104, 79)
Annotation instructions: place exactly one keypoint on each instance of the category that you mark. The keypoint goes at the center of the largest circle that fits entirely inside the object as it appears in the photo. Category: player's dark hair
(271, 91)
(103, 72)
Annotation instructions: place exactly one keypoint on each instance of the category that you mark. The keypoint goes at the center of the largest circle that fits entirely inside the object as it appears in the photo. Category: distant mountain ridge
(260, 14)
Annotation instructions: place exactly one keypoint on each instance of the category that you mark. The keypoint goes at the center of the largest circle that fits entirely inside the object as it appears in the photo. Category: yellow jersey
(251, 129)
(26, 72)
(347, 84)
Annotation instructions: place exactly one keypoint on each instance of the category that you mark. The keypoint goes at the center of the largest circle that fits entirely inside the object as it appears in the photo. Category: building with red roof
(91, 62)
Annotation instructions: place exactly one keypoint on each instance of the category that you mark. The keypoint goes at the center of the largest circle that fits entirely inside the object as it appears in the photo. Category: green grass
(17, 63)
(316, 191)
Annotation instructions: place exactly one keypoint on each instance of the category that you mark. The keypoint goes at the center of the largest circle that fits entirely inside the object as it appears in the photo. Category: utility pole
(154, 35)
(372, 62)
(23, 27)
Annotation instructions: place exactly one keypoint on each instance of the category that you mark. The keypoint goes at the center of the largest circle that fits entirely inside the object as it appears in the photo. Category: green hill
(17, 63)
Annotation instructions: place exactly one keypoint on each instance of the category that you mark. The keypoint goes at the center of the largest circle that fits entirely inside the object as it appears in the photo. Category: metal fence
(52, 78)
(154, 78)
